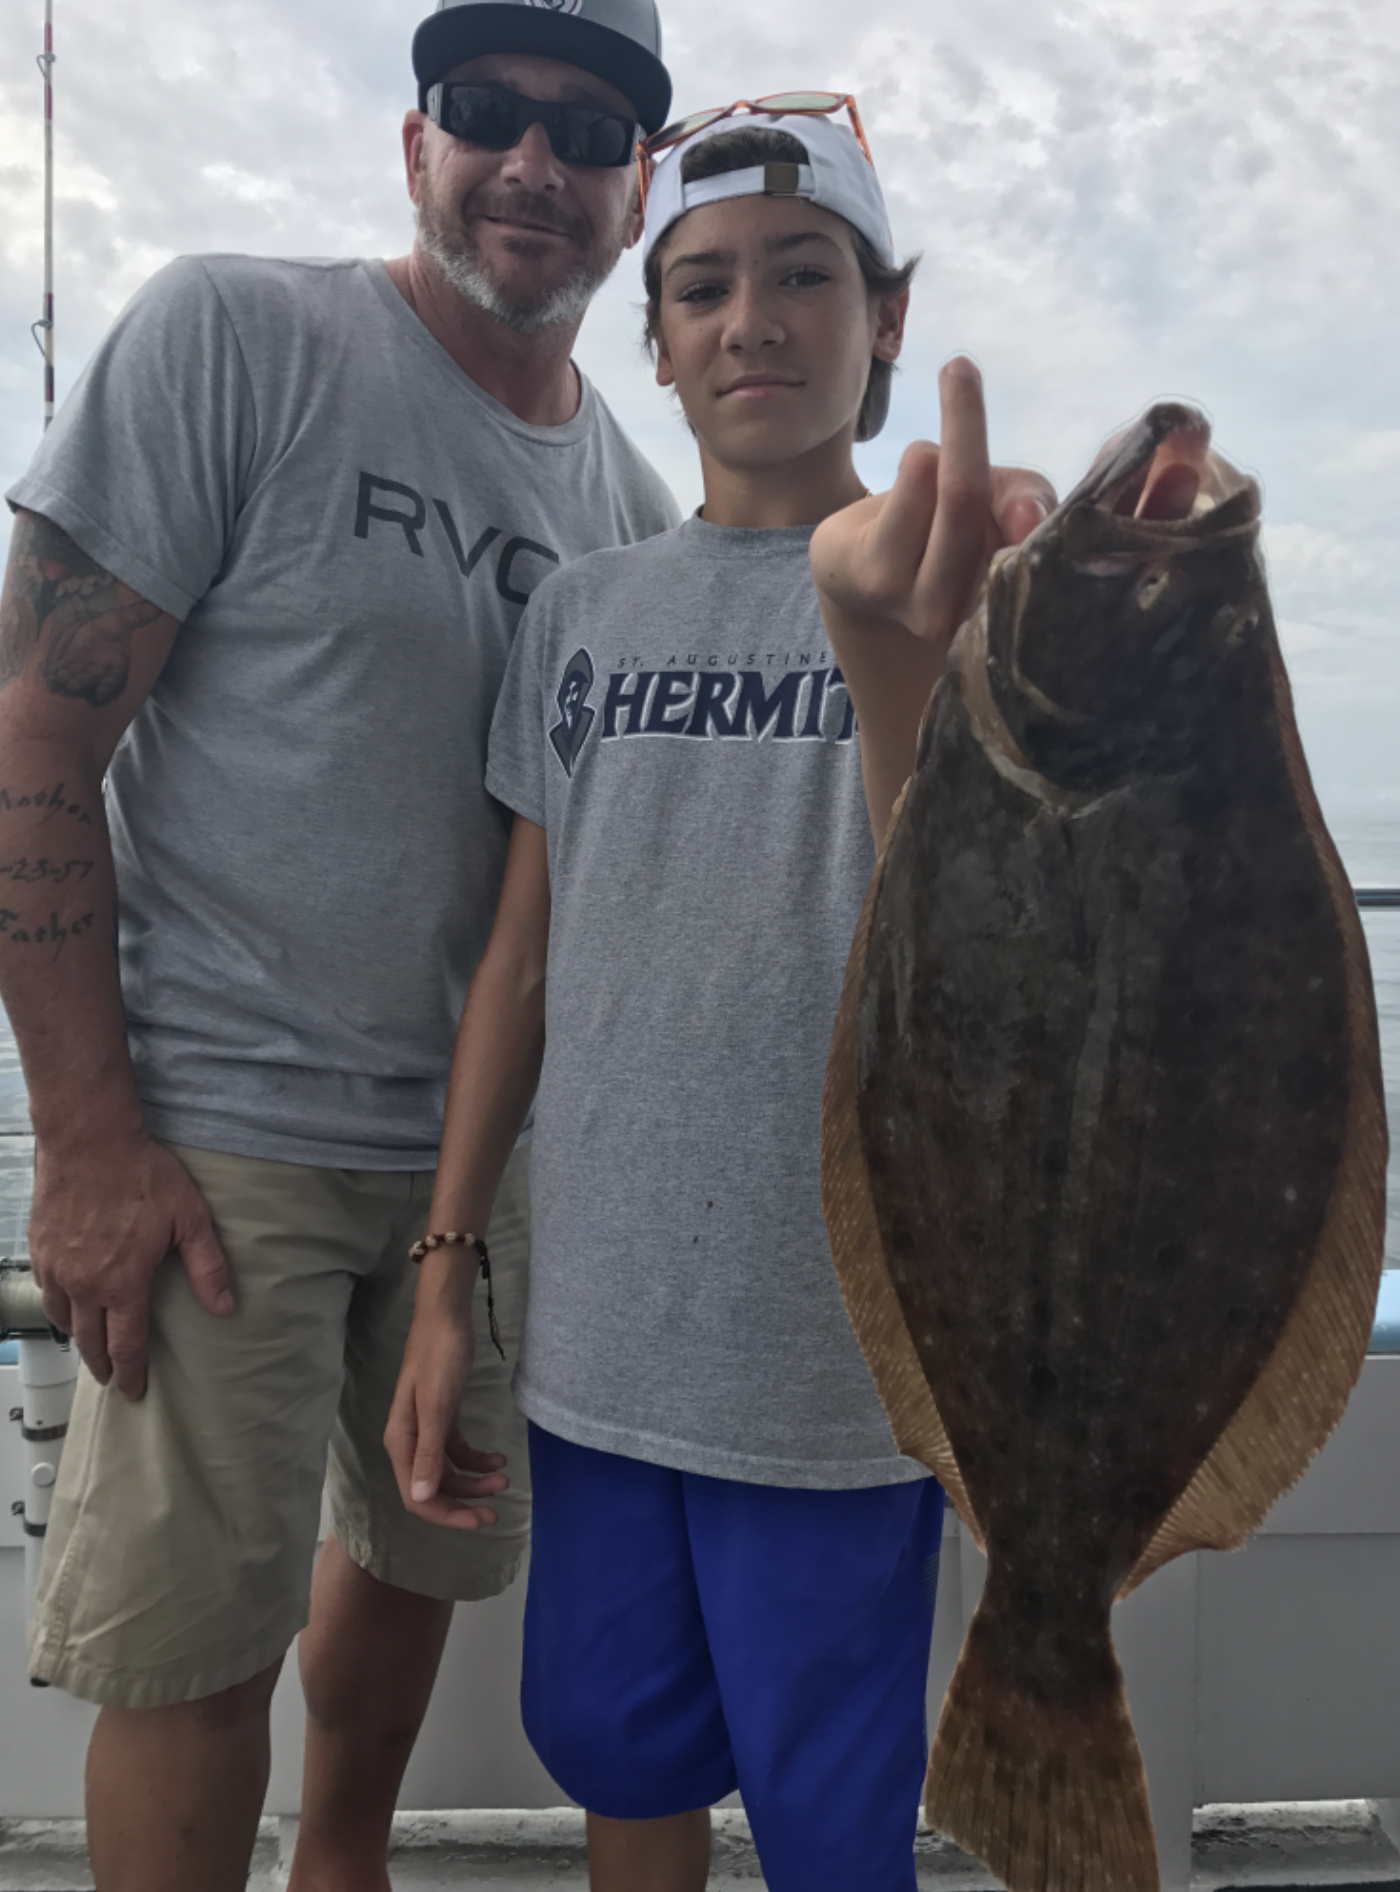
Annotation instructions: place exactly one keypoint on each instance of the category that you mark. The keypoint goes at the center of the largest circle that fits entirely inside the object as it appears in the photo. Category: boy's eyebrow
(700, 259)
(775, 246)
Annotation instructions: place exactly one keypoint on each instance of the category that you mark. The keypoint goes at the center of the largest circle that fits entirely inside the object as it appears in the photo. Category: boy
(733, 1570)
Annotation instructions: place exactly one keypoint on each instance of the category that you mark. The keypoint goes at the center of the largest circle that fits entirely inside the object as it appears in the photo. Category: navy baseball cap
(617, 40)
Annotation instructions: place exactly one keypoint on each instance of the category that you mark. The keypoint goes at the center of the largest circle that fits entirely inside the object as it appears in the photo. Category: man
(265, 575)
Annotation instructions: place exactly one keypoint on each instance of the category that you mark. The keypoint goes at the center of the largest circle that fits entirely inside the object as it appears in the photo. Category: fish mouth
(1106, 628)
(1161, 472)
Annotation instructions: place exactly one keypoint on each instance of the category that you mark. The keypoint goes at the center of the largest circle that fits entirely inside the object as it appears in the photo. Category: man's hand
(440, 1477)
(104, 1218)
(899, 572)
(79, 653)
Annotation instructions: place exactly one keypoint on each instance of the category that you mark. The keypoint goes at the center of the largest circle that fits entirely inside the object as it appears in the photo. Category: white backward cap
(837, 176)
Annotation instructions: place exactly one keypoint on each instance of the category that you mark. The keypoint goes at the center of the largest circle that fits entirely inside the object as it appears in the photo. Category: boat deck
(1337, 1844)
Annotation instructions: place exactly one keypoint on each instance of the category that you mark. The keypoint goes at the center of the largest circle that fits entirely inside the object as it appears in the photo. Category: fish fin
(1293, 1406)
(854, 1232)
(1052, 1798)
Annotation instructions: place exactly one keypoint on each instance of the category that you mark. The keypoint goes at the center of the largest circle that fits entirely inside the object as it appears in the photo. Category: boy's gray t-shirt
(672, 717)
(280, 455)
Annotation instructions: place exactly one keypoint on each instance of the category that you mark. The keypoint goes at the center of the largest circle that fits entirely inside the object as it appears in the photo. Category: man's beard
(448, 242)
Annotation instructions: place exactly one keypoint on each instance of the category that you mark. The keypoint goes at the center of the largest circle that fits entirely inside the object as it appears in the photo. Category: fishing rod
(42, 330)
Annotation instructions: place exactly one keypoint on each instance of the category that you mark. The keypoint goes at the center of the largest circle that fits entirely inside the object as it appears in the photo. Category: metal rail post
(43, 329)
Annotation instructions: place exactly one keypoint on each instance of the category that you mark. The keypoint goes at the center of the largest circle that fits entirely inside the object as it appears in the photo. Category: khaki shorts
(184, 1526)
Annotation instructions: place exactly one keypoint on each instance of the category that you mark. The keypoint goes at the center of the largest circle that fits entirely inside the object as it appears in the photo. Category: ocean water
(1370, 846)
(16, 1149)
(1383, 937)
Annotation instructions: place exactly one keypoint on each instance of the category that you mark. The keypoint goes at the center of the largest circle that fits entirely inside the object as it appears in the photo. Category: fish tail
(1051, 1795)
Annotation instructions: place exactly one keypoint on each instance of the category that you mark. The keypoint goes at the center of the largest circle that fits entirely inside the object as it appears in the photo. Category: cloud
(1112, 203)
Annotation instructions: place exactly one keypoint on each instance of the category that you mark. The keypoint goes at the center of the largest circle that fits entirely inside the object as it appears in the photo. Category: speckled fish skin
(1108, 1063)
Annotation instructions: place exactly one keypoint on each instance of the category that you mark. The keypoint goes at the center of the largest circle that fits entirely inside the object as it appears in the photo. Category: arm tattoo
(80, 617)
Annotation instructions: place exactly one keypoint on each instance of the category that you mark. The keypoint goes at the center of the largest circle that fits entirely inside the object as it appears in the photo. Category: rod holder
(48, 1374)
(21, 1305)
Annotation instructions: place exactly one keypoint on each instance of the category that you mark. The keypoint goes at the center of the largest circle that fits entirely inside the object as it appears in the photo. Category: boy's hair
(740, 150)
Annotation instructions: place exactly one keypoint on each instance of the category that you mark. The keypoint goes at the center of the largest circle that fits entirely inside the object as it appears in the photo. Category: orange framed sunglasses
(772, 105)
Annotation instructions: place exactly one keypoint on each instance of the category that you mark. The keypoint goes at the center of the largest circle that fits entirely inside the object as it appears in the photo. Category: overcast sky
(1115, 200)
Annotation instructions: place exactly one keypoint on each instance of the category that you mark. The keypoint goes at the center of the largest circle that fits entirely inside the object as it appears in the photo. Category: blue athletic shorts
(685, 1636)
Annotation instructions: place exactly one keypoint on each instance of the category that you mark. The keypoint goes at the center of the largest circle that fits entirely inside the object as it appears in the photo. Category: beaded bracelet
(452, 1238)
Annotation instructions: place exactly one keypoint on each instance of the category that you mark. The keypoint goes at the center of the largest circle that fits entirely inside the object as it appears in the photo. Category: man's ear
(889, 326)
(637, 221)
(415, 131)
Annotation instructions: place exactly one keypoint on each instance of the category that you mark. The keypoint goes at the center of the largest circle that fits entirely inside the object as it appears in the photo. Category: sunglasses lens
(682, 128)
(801, 102)
(480, 115)
(580, 136)
(496, 120)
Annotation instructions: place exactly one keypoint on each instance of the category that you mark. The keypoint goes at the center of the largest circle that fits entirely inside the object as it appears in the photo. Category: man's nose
(532, 162)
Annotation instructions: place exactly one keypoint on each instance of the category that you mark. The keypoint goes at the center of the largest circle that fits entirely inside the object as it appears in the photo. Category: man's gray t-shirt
(280, 455)
(673, 719)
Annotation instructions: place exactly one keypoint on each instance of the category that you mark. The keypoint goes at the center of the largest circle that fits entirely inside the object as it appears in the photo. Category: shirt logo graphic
(575, 718)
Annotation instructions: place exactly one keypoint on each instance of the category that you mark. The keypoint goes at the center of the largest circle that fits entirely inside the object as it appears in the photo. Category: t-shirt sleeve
(515, 754)
(146, 461)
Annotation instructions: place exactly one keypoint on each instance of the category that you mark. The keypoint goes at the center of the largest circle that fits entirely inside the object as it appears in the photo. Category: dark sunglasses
(497, 119)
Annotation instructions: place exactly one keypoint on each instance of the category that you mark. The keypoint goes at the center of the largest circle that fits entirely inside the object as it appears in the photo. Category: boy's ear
(665, 373)
(889, 327)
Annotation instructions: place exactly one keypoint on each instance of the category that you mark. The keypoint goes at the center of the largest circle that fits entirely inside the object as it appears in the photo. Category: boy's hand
(440, 1476)
(915, 557)
(898, 573)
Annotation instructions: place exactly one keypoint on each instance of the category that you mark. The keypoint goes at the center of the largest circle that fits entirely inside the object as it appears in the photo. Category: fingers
(1021, 500)
(465, 1458)
(1020, 517)
(958, 541)
(452, 1515)
(429, 1459)
(127, 1328)
(204, 1261)
(440, 1477)
(458, 1500)
(916, 556)
(401, 1436)
(98, 1235)
(57, 1307)
(899, 534)
(90, 1337)
(463, 1490)
(469, 1475)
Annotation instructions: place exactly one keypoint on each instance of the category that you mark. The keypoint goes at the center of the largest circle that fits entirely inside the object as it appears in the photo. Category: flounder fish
(1104, 1139)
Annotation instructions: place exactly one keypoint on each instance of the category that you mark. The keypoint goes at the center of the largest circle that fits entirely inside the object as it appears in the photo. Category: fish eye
(1150, 588)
